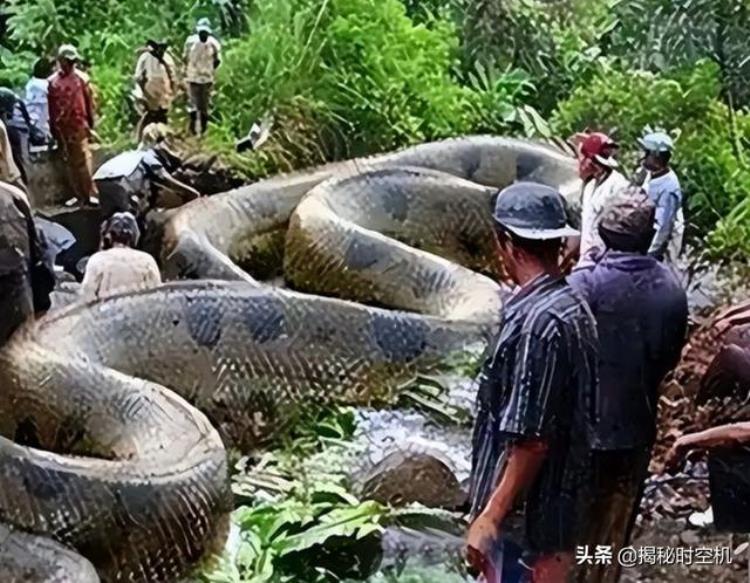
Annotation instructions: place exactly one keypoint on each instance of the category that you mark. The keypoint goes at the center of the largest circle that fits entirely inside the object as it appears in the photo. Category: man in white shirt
(203, 57)
(602, 183)
(155, 76)
(663, 187)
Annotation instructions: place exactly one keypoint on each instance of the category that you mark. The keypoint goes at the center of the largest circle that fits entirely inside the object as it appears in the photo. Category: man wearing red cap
(597, 169)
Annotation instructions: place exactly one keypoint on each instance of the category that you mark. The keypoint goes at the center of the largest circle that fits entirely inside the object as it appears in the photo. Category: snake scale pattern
(114, 415)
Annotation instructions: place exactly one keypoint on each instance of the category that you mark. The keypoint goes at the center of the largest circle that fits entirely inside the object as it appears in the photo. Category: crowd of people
(58, 110)
(567, 397)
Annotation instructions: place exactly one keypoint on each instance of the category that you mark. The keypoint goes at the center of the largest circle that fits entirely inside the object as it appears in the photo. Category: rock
(690, 537)
(404, 477)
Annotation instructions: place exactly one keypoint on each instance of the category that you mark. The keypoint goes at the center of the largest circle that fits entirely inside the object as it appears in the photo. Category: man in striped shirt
(535, 392)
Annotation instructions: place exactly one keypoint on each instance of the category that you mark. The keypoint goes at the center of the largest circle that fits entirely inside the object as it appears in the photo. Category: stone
(404, 477)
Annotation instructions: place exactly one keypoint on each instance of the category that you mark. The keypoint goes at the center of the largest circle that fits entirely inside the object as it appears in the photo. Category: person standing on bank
(71, 112)
(663, 187)
(202, 58)
(641, 314)
(597, 168)
(155, 76)
(534, 394)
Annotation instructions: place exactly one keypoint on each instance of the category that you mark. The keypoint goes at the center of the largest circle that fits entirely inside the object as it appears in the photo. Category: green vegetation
(296, 517)
(353, 77)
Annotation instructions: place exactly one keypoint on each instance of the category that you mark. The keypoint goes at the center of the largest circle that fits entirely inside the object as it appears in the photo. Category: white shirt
(158, 79)
(200, 59)
(594, 201)
(118, 270)
(35, 98)
(666, 193)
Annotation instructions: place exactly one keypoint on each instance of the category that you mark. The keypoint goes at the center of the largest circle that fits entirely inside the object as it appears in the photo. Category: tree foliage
(353, 77)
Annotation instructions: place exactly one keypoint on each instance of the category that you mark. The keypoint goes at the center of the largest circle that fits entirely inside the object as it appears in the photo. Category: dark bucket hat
(532, 211)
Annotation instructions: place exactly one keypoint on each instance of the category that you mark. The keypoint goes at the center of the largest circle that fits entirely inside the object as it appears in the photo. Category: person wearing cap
(71, 111)
(155, 77)
(118, 267)
(533, 390)
(203, 57)
(139, 180)
(663, 187)
(641, 315)
(597, 168)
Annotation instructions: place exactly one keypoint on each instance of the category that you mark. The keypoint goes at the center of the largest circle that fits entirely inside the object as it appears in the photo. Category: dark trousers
(19, 139)
(113, 198)
(618, 488)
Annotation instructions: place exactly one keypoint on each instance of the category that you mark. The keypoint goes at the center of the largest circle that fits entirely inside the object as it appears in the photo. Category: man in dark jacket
(641, 314)
(25, 281)
(534, 391)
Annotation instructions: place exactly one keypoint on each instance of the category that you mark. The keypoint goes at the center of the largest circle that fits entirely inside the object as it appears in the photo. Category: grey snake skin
(114, 415)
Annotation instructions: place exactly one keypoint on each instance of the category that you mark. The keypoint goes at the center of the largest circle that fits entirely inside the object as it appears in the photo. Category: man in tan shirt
(119, 268)
(155, 76)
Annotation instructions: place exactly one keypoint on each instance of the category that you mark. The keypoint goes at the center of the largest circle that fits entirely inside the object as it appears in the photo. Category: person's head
(157, 47)
(657, 151)
(628, 221)
(8, 99)
(530, 224)
(68, 58)
(120, 229)
(42, 68)
(596, 156)
(203, 28)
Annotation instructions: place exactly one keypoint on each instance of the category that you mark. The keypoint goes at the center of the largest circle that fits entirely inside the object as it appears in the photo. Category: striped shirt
(539, 382)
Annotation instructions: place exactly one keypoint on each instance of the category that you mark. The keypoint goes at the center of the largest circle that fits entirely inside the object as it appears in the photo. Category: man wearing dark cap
(534, 391)
(641, 314)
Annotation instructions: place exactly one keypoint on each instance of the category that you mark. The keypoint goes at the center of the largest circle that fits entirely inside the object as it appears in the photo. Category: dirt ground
(671, 498)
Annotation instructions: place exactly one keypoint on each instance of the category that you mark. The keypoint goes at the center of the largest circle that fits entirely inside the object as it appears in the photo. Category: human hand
(677, 452)
(482, 535)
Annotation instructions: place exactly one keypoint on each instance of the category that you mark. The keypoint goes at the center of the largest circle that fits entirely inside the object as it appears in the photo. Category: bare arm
(721, 436)
(89, 99)
(186, 192)
(525, 459)
(523, 464)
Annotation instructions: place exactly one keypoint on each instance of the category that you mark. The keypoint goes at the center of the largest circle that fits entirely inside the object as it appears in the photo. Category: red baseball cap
(598, 147)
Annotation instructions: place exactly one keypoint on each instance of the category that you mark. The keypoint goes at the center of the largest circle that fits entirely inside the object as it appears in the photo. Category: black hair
(120, 228)
(42, 68)
(547, 250)
(664, 157)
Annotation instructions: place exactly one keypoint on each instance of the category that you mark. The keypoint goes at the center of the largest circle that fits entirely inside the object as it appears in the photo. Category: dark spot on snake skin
(361, 255)
(204, 321)
(266, 320)
(527, 164)
(471, 162)
(26, 433)
(468, 243)
(400, 340)
(395, 202)
(45, 484)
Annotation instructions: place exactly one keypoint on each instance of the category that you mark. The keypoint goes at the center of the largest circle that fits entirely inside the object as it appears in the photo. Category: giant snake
(114, 414)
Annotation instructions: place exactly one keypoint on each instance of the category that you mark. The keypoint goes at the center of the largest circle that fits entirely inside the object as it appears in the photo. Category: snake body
(114, 414)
